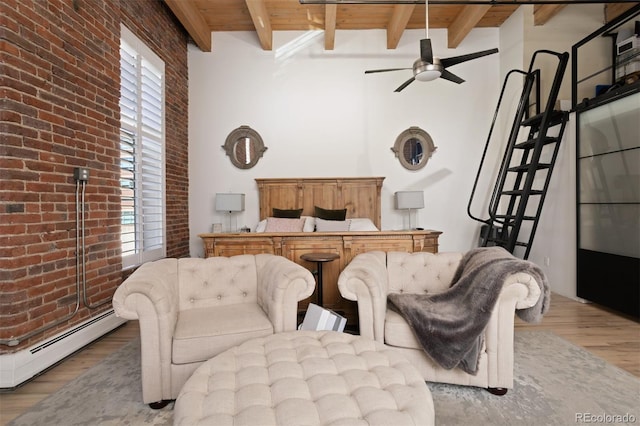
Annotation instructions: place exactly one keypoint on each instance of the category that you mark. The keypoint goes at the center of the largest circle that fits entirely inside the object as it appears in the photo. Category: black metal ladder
(525, 171)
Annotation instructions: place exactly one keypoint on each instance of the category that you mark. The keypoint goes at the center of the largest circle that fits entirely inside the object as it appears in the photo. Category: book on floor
(319, 318)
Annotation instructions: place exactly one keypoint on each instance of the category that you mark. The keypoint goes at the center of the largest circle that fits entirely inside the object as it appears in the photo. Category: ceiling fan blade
(405, 84)
(447, 62)
(385, 70)
(426, 54)
(451, 77)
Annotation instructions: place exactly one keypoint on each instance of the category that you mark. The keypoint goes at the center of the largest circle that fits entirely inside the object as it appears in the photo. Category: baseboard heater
(18, 367)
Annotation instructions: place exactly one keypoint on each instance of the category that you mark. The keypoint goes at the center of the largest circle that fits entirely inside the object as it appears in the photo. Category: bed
(360, 196)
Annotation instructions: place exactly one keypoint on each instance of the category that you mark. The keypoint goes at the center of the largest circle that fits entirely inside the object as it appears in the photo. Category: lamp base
(232, 229)
(410, 227)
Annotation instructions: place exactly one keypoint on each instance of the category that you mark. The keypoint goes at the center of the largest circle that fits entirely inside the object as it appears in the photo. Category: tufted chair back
(421, 272)
(216, 281)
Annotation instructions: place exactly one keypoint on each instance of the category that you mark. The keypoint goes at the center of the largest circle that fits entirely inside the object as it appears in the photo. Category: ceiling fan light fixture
(424, 71)
(428, 75)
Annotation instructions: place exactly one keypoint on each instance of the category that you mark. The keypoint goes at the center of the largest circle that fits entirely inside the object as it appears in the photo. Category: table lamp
(409, 200)
(230, 202)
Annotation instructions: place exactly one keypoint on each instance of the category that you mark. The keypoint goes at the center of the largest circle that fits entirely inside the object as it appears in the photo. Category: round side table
(319, 259)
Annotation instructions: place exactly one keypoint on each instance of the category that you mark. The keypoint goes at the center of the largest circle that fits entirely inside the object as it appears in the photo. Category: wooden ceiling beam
(330, 13)
(192, 20)
(398, 23)
(468, 17)
(261, 22)
(542, 13)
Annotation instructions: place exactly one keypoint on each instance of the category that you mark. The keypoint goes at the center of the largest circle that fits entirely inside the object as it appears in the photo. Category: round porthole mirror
(413, 148)
(244, 147)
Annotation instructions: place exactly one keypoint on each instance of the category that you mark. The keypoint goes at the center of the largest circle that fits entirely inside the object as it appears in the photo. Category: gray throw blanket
(450, 325)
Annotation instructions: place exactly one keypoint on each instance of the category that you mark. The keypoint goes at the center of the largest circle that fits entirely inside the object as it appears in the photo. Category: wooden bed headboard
(359, 195)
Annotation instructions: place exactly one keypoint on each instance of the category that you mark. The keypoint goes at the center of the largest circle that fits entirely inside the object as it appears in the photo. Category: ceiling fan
(428, 67)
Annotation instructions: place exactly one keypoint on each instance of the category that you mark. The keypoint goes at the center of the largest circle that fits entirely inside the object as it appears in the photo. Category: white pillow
(280, 224)
(309, 224)
(332, 225)
(362, 224)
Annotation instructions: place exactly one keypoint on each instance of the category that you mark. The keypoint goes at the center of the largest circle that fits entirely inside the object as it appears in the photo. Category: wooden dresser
(345, 244)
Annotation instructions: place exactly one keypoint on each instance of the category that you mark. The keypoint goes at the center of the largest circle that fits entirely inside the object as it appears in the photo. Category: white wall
(320, 115)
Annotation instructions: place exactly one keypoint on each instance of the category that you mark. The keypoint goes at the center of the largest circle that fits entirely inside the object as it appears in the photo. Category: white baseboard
(18, 367)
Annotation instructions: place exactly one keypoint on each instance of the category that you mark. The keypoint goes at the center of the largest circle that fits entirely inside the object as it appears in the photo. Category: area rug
(556, 383)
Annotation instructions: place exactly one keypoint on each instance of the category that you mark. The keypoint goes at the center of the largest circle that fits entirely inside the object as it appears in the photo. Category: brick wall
(59, 81)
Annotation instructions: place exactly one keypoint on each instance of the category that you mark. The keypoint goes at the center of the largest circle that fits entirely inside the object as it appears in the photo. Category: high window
(142, 152)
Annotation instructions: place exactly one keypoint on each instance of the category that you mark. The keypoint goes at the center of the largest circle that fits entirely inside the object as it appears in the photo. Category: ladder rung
(498, 240)
(525, 167)
(510, 217)
(520, 191)
(555, 119)
(506, 241)
(532, 142)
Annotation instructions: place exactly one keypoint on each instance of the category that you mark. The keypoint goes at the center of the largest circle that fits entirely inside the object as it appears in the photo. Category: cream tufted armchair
(192, 309)
(371, 276)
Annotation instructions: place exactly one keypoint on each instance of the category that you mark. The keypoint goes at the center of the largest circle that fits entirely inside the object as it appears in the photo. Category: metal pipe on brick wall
(15, 341)
(81, 258)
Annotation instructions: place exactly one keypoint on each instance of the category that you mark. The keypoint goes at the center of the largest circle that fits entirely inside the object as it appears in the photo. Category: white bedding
(353, 225)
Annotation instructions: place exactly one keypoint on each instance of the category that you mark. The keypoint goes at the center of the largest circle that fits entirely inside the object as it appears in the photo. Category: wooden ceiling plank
(261, 22)
(612, 11)
(398, 23)
(464, 23)
(330, 13)
(542, 13)
(192, 20)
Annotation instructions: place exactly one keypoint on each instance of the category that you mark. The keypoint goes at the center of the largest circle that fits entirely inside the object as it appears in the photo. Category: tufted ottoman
(306, 378)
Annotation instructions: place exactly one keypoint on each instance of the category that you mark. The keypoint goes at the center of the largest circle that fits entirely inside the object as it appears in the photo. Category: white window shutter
(142, 138)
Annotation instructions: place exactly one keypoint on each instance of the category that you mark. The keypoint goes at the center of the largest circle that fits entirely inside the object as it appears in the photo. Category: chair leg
(160, 404)
(498, 391)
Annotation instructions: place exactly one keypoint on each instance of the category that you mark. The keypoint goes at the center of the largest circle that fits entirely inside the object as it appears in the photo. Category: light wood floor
(605, 334)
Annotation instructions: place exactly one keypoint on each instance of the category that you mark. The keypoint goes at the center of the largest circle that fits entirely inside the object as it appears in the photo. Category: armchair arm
(365, 280)
(149, 295)
(535, 302)
(156, 281)
(282, 283)
(521, 292)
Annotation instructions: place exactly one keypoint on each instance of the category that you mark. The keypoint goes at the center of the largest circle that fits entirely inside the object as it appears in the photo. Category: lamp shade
(409, 200)
(229, 202)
